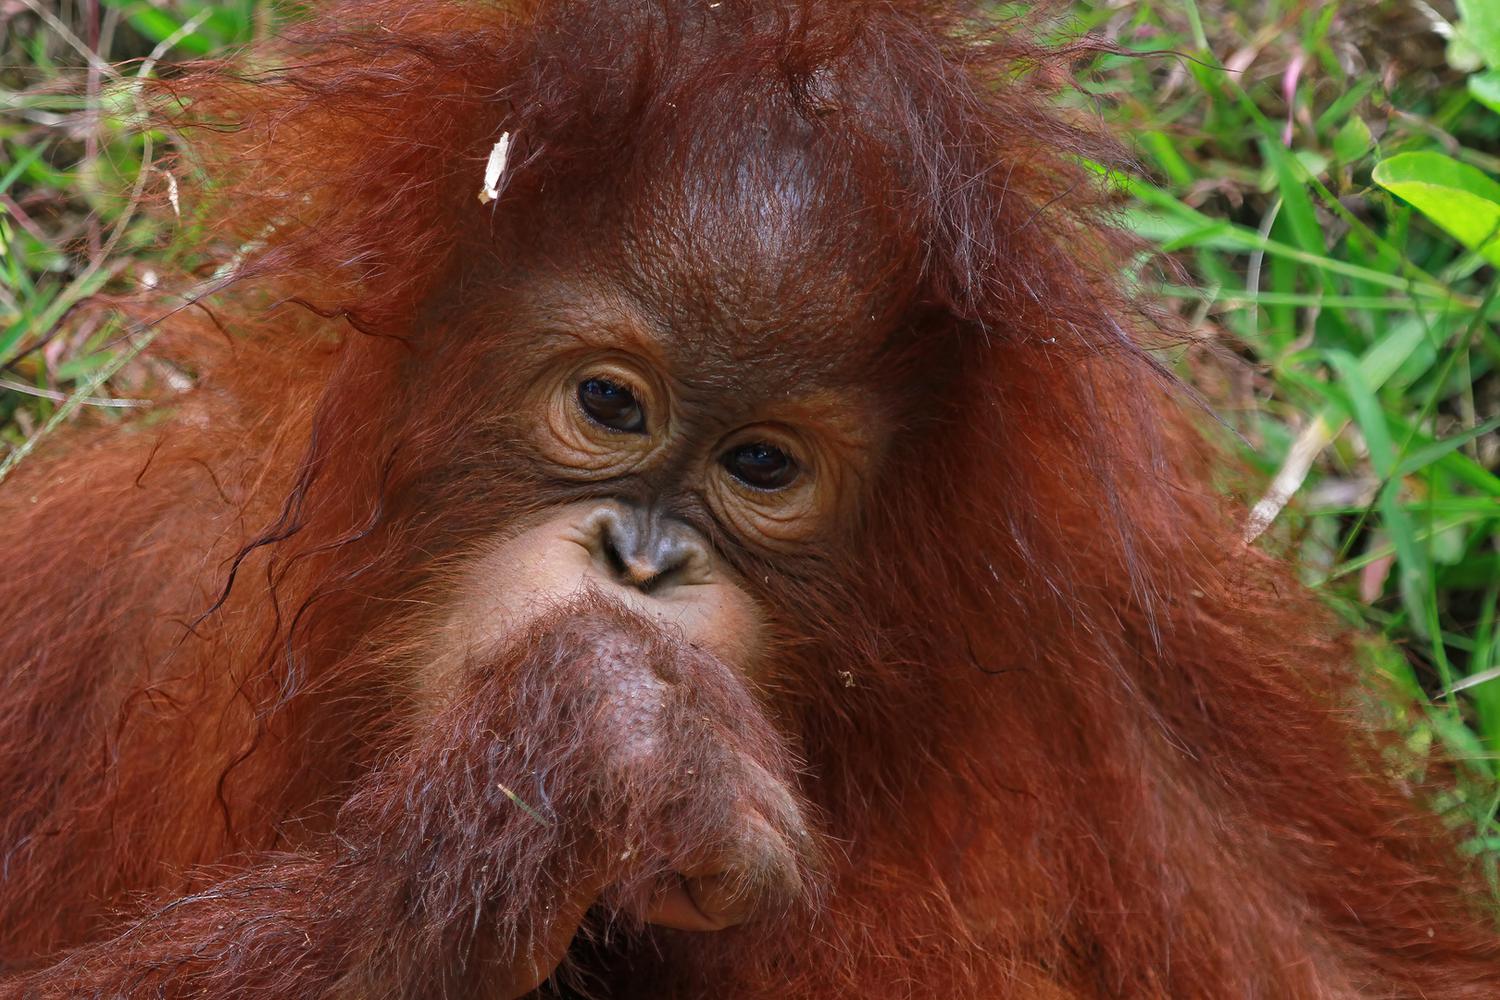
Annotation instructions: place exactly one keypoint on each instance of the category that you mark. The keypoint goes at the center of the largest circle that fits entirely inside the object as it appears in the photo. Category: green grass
(71, 186)
(1325, 172)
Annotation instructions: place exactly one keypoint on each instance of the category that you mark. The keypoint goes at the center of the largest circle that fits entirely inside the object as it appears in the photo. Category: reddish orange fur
(1071, 737)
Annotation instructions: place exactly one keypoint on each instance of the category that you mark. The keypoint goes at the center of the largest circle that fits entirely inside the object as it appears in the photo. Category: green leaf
(1315, 163)
(1353, 140)
(1365, 409)
(1485, 88)
(1427, 454)
(1296, 207)
(22, 164)
(1463, 55)
(1462, 199)
(159, 26)
(1480, 24)
(1165, 153)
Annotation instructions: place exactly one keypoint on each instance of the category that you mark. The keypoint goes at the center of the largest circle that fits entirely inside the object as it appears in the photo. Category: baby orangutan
(748, 553)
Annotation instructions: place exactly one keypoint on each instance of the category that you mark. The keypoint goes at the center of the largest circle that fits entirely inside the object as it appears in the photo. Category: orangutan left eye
(761, 466)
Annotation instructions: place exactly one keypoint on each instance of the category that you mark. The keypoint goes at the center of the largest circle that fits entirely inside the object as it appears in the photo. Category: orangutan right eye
(611, 405)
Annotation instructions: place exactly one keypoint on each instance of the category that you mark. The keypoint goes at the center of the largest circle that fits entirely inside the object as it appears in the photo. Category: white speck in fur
(495, 169)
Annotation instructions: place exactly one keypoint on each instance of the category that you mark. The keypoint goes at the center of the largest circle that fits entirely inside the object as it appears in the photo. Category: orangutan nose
(640, 548)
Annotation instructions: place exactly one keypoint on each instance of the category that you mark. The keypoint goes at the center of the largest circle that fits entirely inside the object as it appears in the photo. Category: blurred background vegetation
(1327, 173)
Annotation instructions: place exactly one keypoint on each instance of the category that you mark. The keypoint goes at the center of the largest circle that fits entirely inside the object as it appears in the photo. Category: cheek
(718, 618)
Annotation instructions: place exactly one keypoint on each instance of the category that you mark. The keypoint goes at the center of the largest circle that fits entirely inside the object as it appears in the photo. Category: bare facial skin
(662, 572)
(657, 568)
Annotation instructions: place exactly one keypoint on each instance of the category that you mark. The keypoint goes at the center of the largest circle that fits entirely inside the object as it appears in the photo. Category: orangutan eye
(611, 405)
(761, 466)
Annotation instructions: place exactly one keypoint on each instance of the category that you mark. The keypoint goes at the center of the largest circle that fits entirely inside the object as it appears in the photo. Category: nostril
(647, 553)
(609, 549)
(630, 555)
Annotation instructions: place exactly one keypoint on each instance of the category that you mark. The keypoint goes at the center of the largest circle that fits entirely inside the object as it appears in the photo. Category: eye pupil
(761, 466)
(611, 404)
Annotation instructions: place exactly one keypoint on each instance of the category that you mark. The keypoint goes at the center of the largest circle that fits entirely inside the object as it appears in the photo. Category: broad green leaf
(1447, 547)
(1485, 88)
(1462, 199)
(1315, 163)
(1352, 140)
(1479, 20)
(1463, 55)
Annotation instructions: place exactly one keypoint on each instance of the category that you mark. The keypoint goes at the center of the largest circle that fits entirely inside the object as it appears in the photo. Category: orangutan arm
(414, 886)
(463, 863)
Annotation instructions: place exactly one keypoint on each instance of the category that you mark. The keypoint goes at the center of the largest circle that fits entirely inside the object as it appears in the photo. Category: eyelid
(579, 446)
(778, 436)
(798, 451)
(780, 518)
(633, 376)
(641, 413)
(791, 460)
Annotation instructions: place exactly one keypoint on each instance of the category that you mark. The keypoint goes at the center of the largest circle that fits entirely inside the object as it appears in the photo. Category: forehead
(753, 250)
